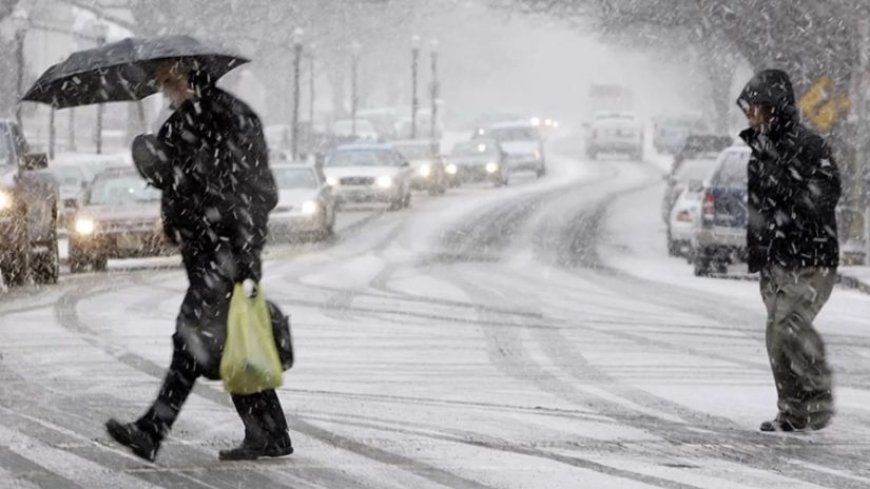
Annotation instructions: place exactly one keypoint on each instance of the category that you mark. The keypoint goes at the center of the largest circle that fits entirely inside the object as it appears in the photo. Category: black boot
(143, 444)
(251, 450)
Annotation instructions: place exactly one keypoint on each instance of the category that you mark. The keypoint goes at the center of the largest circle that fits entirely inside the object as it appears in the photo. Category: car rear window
(732, 171)
(699, 169)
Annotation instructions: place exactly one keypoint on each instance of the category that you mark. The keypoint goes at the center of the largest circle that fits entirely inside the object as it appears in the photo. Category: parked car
(522, 143)
(720, 238)
(72, 181)
(615, 132)
(365, 173)
(427, 165)
(670, 132)
(306, 206)
(119, 218)
(29, 211)
(685, 178)
(385, 122)
(480, 160)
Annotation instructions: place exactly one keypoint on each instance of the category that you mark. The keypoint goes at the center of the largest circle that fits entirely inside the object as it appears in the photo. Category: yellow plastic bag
(250, 361)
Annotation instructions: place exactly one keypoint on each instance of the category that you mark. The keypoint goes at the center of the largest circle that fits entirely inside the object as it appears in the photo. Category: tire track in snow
(67, 314)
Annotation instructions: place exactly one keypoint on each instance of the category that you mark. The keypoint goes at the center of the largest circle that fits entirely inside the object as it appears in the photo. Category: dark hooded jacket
(794, 184)
(215, 206)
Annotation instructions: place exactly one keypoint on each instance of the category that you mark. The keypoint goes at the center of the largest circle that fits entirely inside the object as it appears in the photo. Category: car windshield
(513, 134)
(362, 157)
(293, 178)
(115, 189)
(414, 151)
(733, 170)
(473, 149)
(695, 169)
(68, 176)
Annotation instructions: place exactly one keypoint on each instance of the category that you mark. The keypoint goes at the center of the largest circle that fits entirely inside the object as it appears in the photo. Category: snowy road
(531, 337)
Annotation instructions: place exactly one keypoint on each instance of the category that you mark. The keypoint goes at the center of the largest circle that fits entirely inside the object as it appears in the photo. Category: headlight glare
(491, 167)
(85, 226)
(310, 207)
(451, 169)
(425, 170)
(332, 181)
(385, 181)
(5, 201)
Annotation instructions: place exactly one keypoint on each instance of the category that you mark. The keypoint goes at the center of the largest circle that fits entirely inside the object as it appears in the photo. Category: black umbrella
(124, 71)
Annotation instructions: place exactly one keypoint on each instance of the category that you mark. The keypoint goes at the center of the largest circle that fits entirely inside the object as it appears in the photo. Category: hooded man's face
(759, 117)
(174, 82)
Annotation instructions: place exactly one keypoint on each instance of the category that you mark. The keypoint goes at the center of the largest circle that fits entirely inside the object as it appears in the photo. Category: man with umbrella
(211, 162)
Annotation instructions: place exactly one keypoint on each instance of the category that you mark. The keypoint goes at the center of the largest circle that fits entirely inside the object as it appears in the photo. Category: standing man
(794, 187)
(211, 162)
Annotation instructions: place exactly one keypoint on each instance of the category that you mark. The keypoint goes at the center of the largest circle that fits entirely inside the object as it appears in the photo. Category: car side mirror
(696, 185)
(34, 161)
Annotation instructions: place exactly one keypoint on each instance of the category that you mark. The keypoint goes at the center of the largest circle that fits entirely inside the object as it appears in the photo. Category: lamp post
(294, 124)
(20, 21)
(415, 61)
(434, 89)
(100, 31)
(354, 84)
(311, 83)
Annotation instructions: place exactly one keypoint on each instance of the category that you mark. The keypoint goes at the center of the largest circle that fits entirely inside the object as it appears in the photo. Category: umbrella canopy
(123, 71)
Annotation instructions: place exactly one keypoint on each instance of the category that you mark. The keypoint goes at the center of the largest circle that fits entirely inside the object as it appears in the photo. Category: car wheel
(702, 263)
(16, 266)
(406, 202)
(101, 263)
(542, 171)
(46, 266)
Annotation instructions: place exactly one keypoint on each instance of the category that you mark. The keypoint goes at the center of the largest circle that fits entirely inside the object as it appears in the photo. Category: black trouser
(261, 413)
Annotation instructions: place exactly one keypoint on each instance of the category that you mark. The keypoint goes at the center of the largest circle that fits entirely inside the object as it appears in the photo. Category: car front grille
(357, 181)
(138, 225)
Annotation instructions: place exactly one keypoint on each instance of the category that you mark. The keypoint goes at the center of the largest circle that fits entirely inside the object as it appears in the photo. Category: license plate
(130, 241)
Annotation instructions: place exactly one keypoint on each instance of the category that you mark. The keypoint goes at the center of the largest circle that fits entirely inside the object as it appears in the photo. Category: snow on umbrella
(124, 71)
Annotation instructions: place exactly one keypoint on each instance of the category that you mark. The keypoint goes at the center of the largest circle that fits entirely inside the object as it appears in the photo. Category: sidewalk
(855, 277)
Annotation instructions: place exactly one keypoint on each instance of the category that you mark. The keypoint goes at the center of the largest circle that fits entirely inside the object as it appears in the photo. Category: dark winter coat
(215, 206)
(794, 184)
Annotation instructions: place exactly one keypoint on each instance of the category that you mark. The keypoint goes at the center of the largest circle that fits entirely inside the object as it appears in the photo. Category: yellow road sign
(821, 106)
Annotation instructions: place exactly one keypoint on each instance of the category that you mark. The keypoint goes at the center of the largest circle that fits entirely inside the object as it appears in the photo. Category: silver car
(119, 218)
(369, 173)
(306, 205)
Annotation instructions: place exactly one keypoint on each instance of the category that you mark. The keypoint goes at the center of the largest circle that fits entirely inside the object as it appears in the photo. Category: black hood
(769, 87)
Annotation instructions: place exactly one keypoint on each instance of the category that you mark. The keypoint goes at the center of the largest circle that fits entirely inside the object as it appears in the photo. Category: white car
(615, 132)
(684, 186)
(306, 206)
(521, 142)
(365, 173)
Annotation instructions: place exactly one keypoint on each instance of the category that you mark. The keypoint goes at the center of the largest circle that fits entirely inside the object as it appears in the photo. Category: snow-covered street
(538, 336)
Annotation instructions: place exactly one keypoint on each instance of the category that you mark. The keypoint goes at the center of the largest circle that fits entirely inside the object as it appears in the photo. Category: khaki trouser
(796, 351)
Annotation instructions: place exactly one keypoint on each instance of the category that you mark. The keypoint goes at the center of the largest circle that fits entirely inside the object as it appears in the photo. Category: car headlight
(425, 170)
(536, 121)
(5, 201)
(85, 226)
(332, 181)
(537, 155)
(385, 181)
(451, 169)
(491, 167)
(310, 207)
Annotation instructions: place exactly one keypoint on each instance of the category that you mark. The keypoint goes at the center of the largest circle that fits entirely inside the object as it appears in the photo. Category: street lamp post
(21, 21)
(434, 91)
(354, 85)
(294, 128)
(100, 32)
(415, 61)
(311, 83)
